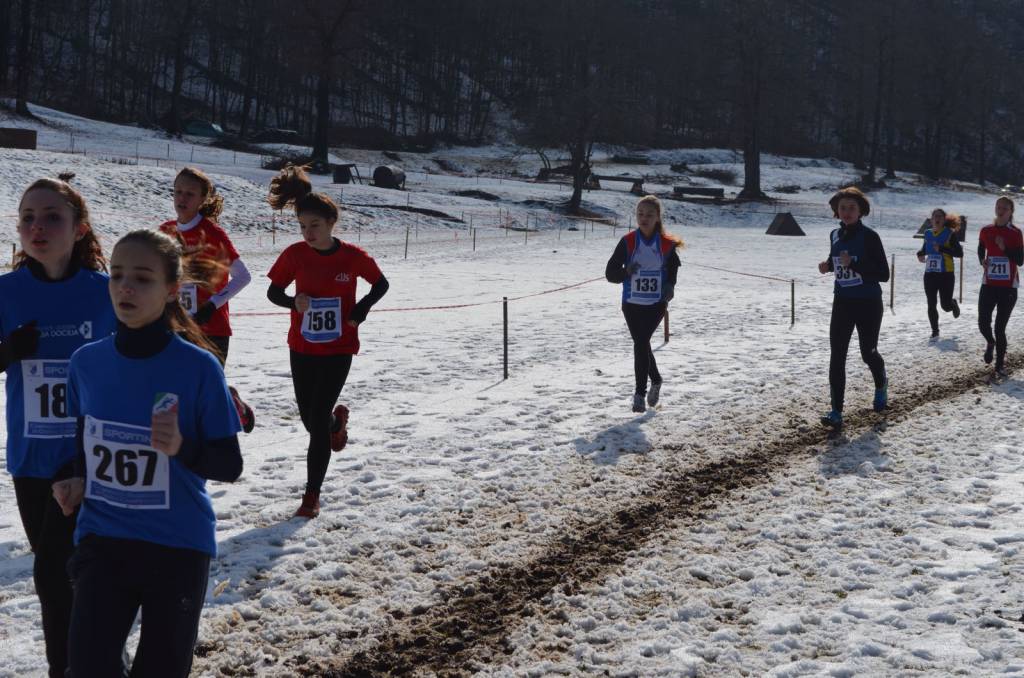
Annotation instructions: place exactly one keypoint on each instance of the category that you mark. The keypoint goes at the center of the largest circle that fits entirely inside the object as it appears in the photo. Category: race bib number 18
(321, 322)
(122, 469)
(45, 394)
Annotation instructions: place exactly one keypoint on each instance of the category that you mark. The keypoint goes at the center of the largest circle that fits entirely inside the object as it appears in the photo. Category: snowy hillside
(536, 526)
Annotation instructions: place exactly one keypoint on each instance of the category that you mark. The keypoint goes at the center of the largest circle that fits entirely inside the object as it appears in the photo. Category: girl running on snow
(325, 318)
(858, 261)
(155, 421)
(941, 246)
(1000, 252)
(53, 302)
(217, 271)
(646, 263)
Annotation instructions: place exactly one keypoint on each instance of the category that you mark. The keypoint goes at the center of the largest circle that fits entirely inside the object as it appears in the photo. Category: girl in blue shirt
(155, 420)
(53, 302)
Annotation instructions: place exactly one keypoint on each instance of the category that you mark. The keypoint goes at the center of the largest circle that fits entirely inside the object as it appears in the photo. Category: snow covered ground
(535, 526)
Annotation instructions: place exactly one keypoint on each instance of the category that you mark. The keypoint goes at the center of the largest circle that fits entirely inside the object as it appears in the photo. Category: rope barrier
(251, 314)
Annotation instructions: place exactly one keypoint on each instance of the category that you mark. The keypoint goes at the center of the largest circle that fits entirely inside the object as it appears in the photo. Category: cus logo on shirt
(343, 277)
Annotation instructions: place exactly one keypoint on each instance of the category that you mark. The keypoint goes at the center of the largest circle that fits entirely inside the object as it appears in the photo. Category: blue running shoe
(833, 419)
(881, 397)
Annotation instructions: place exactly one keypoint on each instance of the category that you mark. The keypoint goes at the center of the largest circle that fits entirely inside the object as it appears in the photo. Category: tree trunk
(180, 43)
(323, 114)
(24, 62)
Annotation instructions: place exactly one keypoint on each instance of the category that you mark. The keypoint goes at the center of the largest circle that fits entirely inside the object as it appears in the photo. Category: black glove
(205, 312)
(632, 268)
(22, 343)
(359, 313)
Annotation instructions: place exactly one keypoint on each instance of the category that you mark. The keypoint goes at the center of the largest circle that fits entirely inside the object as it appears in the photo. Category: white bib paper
(45, 396)
(321, 322)
(122, 469)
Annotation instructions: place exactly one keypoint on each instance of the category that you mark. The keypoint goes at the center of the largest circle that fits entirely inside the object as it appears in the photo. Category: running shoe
(310, 507)
(833, 419)
(935, 335)
(989, 350)
(881, 397)
(638, 402)
(245, 413)
(339, 428)
(654, 394)
(956, 309)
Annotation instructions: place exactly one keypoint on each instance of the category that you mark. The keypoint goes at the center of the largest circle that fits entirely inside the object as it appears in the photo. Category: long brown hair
(653, 200)
(213, 202)
(1007, 199)
(292, 186)
(175, 264)
(87, 252)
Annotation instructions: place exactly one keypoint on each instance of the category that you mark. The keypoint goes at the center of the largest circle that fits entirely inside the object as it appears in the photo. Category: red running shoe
(310, 507)
(245, 413)
(339, 434)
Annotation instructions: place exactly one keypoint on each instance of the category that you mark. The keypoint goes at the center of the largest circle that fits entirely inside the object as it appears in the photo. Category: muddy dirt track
(469, 625)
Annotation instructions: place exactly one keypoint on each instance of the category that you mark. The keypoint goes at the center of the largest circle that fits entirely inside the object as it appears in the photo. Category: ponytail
(292, 186)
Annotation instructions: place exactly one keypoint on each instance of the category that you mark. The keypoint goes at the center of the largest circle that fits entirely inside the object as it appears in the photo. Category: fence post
(792, 303)
(192, 155)
(526, 234)
(666, 324)
(962, 260)
(504, 304)
(14, 253)
(892, 285)
(273, 229)
(474, 240)
(406, 243)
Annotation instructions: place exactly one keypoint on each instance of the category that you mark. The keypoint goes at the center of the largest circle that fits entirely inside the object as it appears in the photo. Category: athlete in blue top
(858, 260)
(53, 302)
(646, 263)
(941, 246)
(155, 421)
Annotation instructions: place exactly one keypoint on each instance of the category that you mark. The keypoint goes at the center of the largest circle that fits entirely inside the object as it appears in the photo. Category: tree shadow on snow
(862, 455)
(606, 447)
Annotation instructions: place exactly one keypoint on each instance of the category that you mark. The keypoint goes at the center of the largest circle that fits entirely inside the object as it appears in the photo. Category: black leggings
(642, 321)
(318, 380)
(222, 344)
(866, 316)
(113, 578)
(1002, 299)
(939, 285)
(50, 535)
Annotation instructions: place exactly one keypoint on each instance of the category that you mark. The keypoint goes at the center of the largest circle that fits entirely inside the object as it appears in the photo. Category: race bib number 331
(122, 469)
(846, 277)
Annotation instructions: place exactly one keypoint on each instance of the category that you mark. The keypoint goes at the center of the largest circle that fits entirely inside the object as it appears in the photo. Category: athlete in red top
(1000, 252)
(216, 272)
(324, 333)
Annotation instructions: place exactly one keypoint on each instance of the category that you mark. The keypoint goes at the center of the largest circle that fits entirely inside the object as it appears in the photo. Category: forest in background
(930, 86)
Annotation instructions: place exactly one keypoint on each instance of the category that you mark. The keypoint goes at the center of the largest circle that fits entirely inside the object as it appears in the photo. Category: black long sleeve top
(873, 266)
